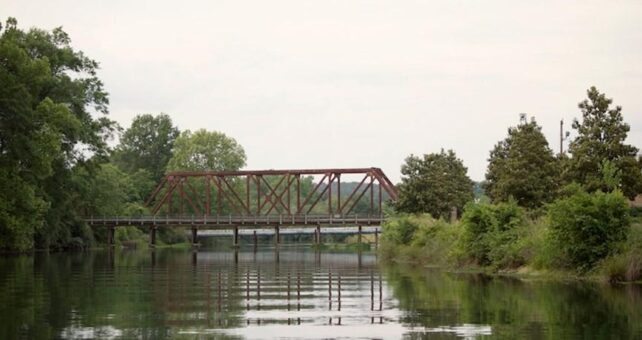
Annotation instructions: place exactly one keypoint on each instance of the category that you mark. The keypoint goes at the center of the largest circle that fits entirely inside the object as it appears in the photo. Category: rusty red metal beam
(270, 191)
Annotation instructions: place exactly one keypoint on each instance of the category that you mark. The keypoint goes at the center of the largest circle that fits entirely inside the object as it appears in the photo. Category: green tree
(48, 97)
(601, 136)
(206, 150)
(523, 167)
(434, 184)
(147, 145)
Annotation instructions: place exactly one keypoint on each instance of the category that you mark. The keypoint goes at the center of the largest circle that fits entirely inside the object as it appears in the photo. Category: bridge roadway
(248, 224)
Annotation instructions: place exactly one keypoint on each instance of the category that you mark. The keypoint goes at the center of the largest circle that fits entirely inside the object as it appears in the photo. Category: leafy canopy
(147, 145)
(434, 184)
(51, 107)
(206, 150)
(523, 167)
(601, 136)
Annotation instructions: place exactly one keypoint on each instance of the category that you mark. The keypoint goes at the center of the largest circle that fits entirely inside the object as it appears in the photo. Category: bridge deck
(228, 221)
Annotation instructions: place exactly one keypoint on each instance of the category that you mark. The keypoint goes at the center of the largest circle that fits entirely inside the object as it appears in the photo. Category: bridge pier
(376, 239)
(359, 236)
(235, 237)
(194, 236)
(317, 235)
(152, 236)
(256, 240)
(110, 236)
(277, 236)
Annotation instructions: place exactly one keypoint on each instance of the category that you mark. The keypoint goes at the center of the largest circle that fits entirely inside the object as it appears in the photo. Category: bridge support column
(110, 236)
(194, 236)
(359, 236)
(317, 235)
(376, 238)
(152, 236)
(235, 237)
(277, 236)
(256, 240)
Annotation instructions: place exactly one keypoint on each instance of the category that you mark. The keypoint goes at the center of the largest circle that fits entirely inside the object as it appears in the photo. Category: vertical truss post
(208, 192)
(298, 192)
(338, 175)
(380, 200)
(219, 196)
(258, 194)
(247, 192)
(371, 194)
(330, 179)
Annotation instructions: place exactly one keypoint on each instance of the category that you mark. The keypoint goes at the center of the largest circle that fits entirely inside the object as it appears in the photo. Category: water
(293, 293)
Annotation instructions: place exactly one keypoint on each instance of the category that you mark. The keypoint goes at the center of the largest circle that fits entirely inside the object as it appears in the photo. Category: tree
(523, 167)
(434, 184)
(601, 136)
(204, 150)
(48, 97)
(147, 145)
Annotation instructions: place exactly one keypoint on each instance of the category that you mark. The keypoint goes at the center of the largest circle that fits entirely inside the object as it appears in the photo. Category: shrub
(588, 227)
(400, 230)
(626, 266)
(492, 234)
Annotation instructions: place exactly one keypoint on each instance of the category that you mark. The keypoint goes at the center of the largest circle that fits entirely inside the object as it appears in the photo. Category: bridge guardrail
(238, 220)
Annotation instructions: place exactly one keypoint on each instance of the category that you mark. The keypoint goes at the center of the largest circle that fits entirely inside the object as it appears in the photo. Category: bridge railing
(238, 220)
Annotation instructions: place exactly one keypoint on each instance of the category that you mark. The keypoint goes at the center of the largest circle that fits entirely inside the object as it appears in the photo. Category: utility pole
(563, 136)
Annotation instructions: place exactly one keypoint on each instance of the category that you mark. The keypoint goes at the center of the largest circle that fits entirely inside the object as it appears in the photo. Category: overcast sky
(319, 84)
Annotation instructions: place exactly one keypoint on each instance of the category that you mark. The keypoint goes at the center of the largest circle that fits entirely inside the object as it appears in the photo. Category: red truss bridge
(263, 198)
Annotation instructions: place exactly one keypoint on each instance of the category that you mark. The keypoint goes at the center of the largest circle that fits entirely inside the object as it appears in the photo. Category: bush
(400, 230)
(492, 234)
(627, 265)
(588, 227)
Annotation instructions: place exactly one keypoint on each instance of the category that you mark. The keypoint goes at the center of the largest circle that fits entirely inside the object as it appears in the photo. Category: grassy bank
(504, 240)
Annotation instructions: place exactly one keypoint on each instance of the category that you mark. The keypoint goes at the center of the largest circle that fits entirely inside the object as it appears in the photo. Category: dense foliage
(601, 136)
(434, 184)
(522, 167)
(206, 150)
(490, 233)
(587, 227)
(51, 125)
(147, 145)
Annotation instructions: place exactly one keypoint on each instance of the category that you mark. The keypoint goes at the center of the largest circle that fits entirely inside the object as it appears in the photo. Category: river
(293, 293)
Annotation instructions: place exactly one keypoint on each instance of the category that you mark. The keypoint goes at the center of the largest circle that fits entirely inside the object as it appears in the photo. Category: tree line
(565, 211)
(55, 161)
(522, 167)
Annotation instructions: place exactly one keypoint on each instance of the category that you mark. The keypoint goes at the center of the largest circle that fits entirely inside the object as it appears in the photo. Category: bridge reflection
(271, 287)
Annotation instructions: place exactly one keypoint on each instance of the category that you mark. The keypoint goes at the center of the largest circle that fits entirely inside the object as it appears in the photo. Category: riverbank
(523, 251)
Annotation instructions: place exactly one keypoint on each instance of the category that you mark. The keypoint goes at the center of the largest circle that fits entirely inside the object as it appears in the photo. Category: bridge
(301, 198)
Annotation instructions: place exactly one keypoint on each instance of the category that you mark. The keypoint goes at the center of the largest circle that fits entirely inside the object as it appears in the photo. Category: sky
(330, 84)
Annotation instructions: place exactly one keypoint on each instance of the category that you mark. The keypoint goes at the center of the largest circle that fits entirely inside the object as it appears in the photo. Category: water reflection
(292, 293)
